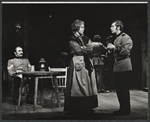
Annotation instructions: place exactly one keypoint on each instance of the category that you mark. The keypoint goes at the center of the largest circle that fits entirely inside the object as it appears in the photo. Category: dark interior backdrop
(45, 29)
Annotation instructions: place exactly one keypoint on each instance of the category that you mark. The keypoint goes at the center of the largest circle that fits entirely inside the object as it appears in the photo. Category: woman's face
(81, 29)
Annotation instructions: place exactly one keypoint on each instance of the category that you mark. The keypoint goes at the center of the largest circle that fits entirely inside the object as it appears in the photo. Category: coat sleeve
(126, 46)
(10, 68)
(89, 46)
(77, 48)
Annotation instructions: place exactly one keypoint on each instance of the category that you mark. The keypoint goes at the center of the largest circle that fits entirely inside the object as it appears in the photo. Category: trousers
(17, 82)
(122, 80)
(99, 76)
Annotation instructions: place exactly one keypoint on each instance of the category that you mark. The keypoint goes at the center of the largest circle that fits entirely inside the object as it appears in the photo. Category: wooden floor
(107, 104)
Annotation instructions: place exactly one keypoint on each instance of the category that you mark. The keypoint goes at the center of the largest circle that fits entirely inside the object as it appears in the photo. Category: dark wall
(48, 28)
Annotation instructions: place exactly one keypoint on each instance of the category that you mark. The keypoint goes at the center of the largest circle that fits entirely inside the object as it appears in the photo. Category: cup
(49, 69)
(32, 68)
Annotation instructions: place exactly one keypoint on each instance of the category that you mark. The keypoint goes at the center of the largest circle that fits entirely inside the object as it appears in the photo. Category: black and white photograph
(74, 60)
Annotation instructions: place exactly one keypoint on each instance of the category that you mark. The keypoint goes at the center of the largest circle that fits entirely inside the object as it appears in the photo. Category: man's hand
(18, 73)
(110, 46)
(19, 70)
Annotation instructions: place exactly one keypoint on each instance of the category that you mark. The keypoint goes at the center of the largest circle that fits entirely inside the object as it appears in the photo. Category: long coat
(81, 91)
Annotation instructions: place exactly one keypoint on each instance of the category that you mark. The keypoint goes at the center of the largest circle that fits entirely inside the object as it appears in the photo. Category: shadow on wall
(137, 36)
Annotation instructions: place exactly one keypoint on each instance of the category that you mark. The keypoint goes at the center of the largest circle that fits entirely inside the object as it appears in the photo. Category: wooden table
(39, 75)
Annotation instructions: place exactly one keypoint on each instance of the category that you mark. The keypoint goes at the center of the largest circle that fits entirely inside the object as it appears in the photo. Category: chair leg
(19, 98)
(53, 98)
(24, 90)
(56, 91)
(20, 92)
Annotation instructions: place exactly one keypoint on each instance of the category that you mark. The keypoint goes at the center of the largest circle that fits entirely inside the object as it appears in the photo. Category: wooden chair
(24, 89)
(61, 81)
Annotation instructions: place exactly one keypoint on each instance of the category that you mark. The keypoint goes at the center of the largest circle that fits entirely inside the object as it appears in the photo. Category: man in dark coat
(122, 66)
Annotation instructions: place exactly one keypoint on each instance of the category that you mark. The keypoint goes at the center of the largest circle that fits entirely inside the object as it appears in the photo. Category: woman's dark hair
(119, 23)
(75, 26)
(96, 38)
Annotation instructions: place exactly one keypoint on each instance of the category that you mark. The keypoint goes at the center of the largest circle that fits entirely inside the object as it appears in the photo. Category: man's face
(19, 52)
(81, 30)
(113, 28)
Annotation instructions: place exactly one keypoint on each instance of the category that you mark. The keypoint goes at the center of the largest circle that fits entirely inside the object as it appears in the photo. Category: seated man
(16, 65)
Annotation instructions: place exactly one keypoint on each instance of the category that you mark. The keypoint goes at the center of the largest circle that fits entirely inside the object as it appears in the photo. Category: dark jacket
(123, 44)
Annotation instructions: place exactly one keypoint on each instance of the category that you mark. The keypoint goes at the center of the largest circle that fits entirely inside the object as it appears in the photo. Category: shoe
(101, 91)
(107, 91)
(120, 112)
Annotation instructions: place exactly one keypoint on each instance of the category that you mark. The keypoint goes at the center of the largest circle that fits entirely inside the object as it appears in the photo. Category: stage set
(43, 30)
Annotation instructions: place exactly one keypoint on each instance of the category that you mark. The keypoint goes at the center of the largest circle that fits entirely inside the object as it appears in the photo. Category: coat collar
(79, 36)
(119, 34)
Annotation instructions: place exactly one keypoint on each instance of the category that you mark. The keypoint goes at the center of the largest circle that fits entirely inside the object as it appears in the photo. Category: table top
(41, 73)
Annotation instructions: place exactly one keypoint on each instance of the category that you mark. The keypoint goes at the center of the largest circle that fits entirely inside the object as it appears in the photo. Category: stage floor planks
(107, 104)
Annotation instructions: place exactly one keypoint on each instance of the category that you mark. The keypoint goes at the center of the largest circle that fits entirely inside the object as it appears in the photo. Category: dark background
(45, 30)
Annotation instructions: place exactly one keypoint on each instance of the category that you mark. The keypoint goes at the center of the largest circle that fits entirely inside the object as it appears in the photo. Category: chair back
(61, 80)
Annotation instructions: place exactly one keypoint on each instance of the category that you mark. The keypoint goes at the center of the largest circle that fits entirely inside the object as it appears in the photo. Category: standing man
(122, 66)
(16, 65)
(98, 63)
